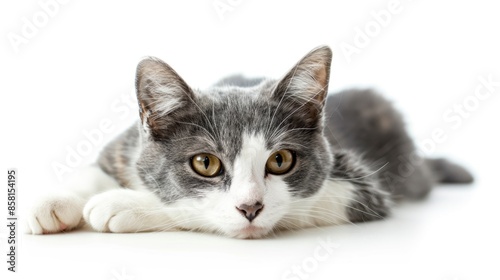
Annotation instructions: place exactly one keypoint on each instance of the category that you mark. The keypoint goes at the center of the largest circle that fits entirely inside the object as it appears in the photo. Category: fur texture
(346, 155)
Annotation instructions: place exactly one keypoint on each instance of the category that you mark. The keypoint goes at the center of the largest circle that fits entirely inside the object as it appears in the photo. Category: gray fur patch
(370, 201)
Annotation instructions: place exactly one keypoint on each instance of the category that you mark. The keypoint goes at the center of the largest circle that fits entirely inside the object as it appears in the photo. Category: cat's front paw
(123, 211)
(55, 213)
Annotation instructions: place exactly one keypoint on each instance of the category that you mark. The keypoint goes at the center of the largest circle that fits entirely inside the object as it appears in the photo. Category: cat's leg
(367, 200)
(62, 210)
(126, 210)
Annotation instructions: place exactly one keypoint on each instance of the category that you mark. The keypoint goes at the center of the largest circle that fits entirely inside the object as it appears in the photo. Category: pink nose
(250, 211)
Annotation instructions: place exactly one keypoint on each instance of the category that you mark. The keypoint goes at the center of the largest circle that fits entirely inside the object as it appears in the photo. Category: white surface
(78, 71)
(453, 235)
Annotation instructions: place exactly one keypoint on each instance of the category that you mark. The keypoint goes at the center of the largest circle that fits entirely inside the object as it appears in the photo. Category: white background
(77, 69)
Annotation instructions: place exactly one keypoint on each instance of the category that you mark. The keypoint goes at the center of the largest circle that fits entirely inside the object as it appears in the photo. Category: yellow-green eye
(280, 162)
(206, 165)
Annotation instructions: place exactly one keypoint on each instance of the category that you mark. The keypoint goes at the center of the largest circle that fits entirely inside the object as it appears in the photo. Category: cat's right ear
(161, 92)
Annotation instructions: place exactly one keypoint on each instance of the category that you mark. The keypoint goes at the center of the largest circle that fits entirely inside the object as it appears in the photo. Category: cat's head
(234, 160)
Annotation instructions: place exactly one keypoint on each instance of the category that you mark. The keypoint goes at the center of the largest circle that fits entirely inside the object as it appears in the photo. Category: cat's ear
(306, 84)
(160, 92)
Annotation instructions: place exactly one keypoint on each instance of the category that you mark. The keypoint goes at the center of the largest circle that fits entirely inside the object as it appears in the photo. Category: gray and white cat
(247, 158)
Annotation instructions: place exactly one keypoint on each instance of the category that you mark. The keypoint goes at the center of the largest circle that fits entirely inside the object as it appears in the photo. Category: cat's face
(234, 160)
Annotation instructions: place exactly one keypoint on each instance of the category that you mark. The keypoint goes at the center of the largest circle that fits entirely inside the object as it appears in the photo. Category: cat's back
(361, 118)
(365, 122)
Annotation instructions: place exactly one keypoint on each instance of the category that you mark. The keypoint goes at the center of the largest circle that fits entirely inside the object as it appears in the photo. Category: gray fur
(239, 80)
(364, 122)
(356, 134)
(371, 202)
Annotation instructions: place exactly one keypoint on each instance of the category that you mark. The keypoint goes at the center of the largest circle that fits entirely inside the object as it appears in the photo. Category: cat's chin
(250, 232)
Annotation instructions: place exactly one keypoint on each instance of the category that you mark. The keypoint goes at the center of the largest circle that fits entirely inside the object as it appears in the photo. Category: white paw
(124, 210)
(55, 213)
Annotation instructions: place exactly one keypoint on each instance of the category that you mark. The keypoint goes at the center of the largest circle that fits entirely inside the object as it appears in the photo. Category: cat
(247, 158)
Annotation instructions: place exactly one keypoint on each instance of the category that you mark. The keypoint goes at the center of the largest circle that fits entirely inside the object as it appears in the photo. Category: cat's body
(247, 158)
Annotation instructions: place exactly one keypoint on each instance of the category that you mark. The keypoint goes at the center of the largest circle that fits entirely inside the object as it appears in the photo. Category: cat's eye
(280, 162)
(206, 165)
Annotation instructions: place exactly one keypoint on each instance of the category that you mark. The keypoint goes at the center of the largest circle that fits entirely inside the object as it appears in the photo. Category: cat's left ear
(307, 83)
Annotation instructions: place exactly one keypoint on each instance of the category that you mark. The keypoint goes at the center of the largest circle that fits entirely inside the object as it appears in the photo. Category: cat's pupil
(206, 162)
(279, 160)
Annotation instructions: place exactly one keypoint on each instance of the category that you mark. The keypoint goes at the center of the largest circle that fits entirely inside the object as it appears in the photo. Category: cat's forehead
(223, 117)
(228, 114)
(232, 92)
(237, 108)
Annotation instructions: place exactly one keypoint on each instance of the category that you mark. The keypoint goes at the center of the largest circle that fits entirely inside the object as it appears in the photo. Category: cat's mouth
(251, 231)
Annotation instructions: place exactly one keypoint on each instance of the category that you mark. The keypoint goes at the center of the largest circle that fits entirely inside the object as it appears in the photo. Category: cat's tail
(446, 171)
